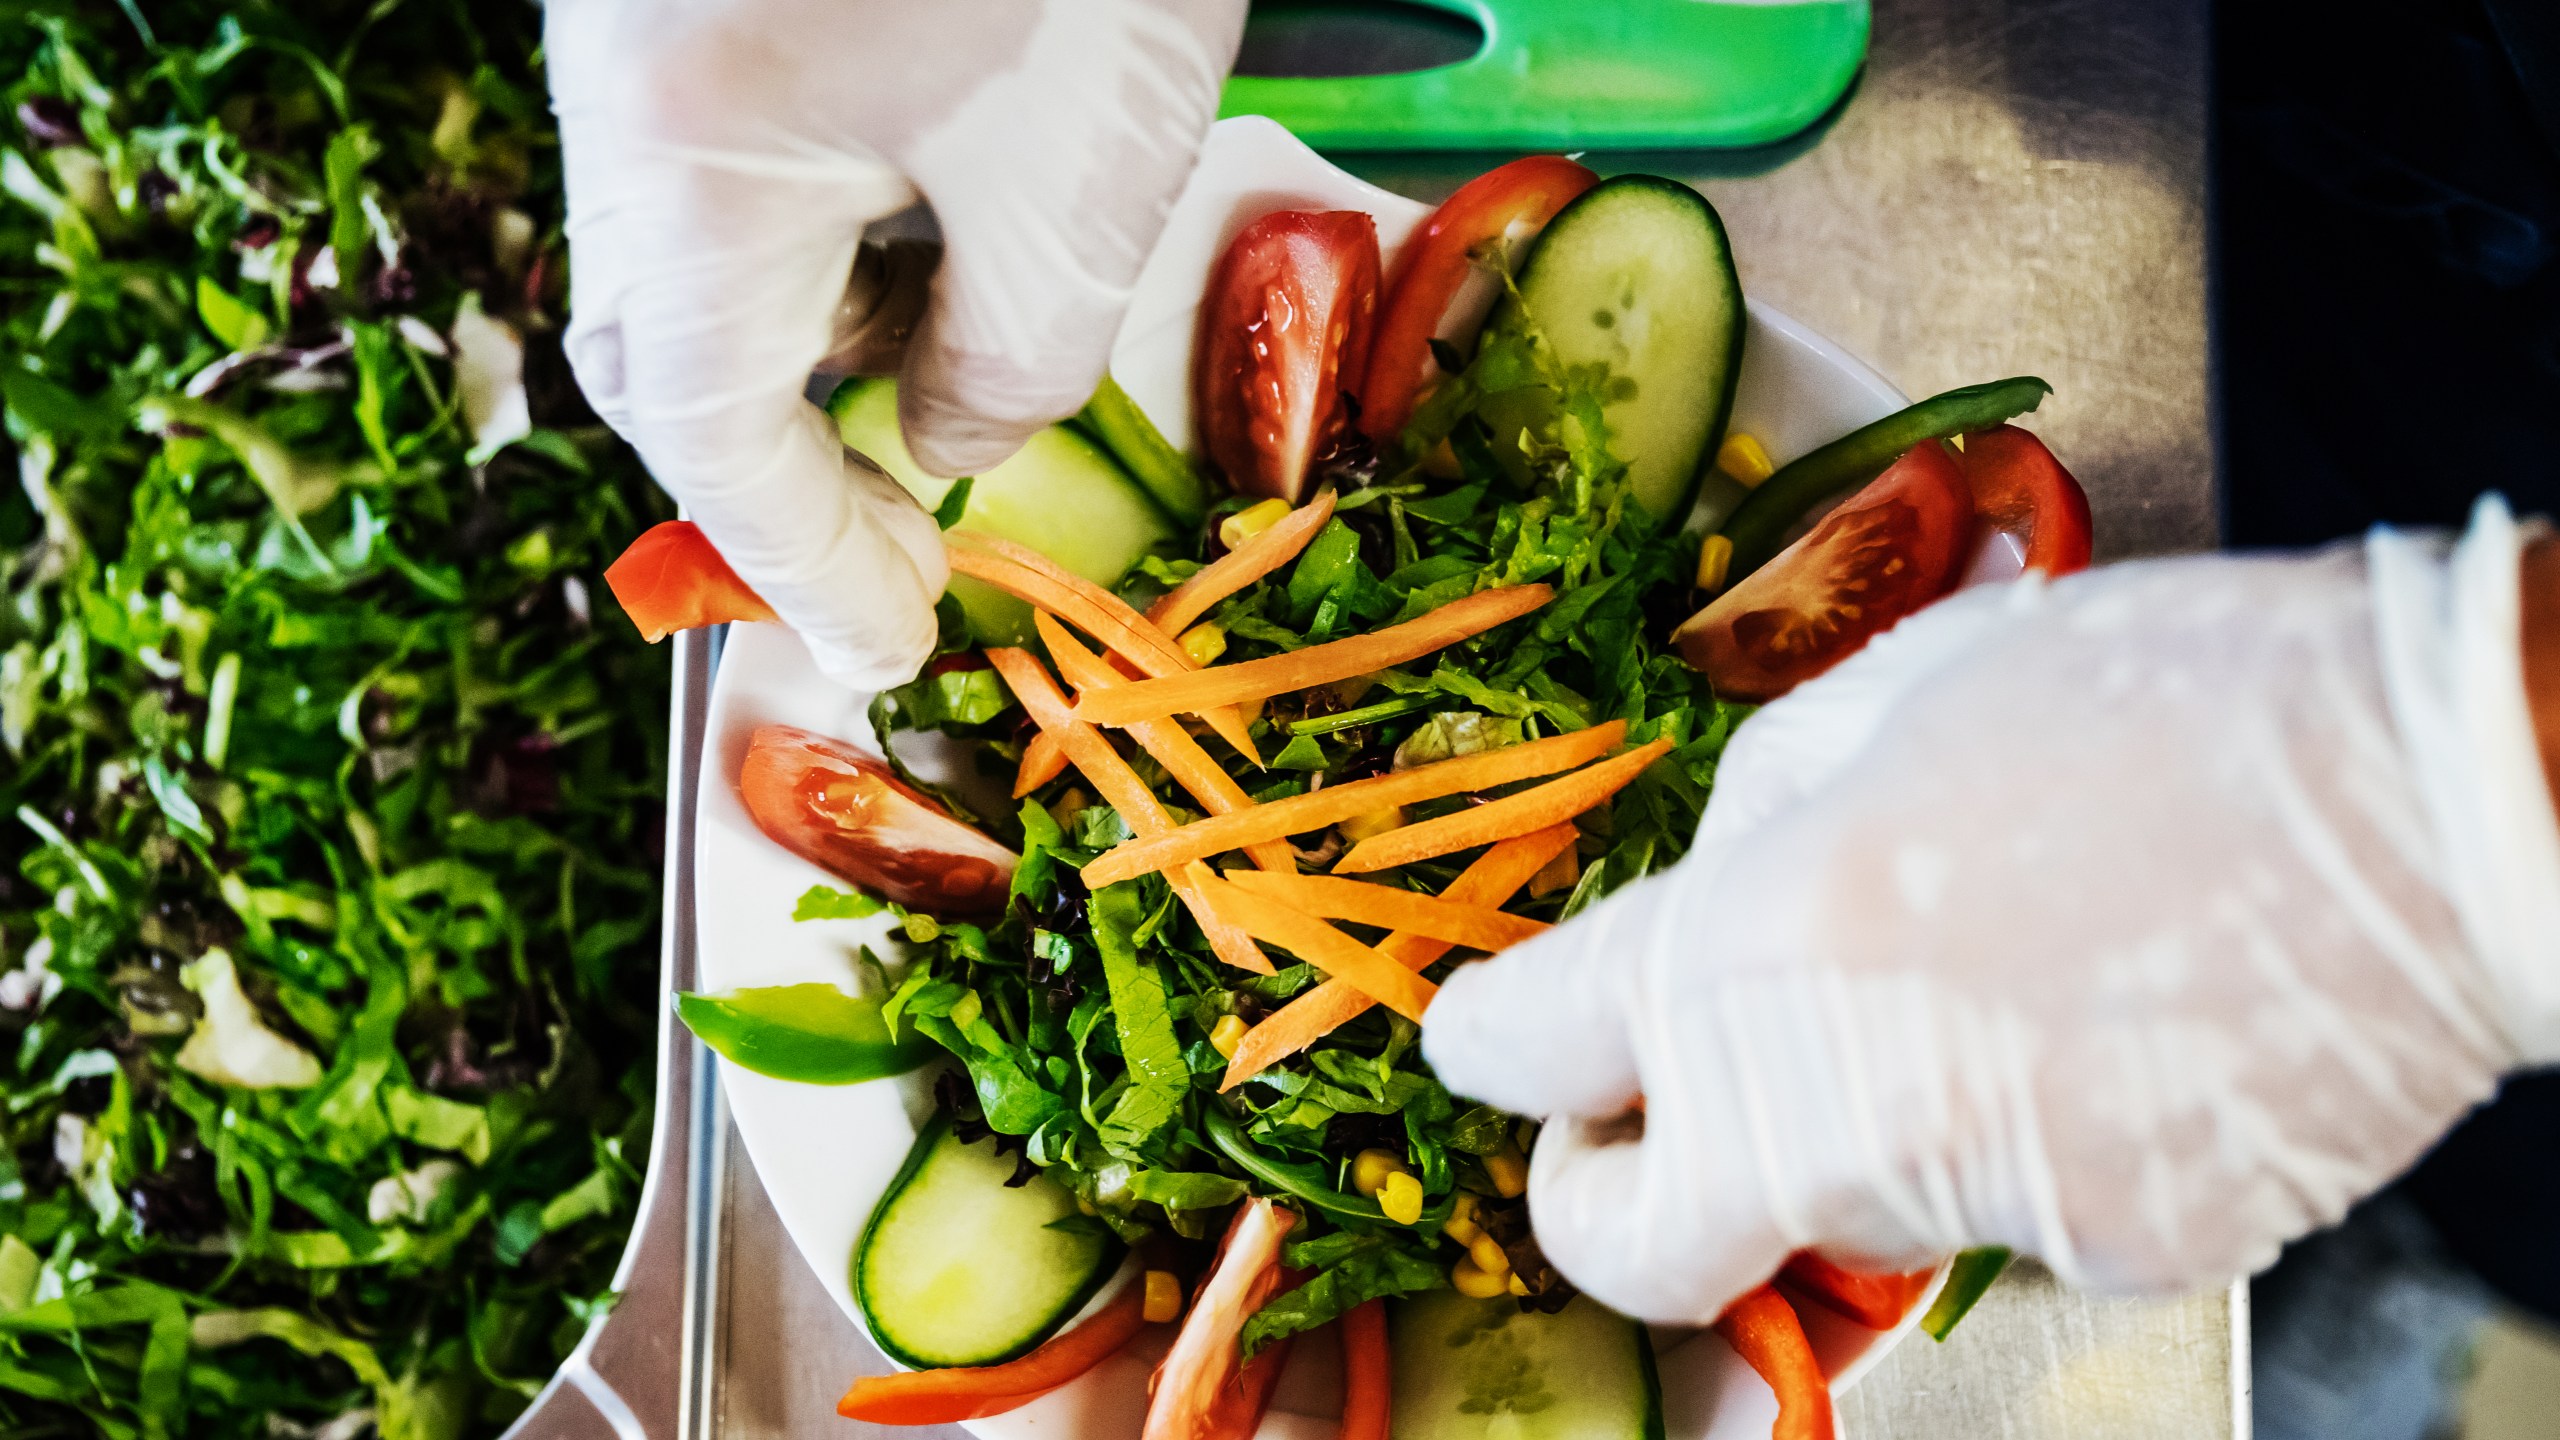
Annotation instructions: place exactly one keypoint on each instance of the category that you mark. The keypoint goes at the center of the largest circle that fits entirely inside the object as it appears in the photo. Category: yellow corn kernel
(1376, 822)
(1461, 1225)
(1487, 1253)
(1509, 1170)
(1204, 643)
(1476, 1284)
(1401, 1198)
(1227, 1034)
(1519, 1286)
(1743, 458)
(1250, 521)
(1370, 1169)
(1561, 873)
(1164, 1297)
(1715, 561)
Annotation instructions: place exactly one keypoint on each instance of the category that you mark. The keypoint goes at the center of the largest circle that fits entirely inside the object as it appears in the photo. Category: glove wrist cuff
(2449, 623)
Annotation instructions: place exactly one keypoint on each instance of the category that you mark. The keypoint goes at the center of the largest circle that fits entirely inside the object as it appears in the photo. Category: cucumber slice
(1060, 493)
(1488, 1370)
(956, 1268)
(1637, 274)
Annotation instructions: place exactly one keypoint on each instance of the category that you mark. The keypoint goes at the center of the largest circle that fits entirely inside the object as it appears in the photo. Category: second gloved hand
(2140, 922)
(723, 158)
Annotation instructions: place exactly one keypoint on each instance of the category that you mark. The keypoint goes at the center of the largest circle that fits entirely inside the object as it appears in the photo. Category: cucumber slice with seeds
(1488, 1370)
(1637, 275)
(1060, 494)
(957, 1268)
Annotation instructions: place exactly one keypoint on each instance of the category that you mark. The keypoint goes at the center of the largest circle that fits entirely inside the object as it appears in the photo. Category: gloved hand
(2139, 921)
(723, 157)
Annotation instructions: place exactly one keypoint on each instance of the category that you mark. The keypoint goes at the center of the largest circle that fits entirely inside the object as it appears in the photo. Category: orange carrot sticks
(1043, 760)
(1478, 927)
(1241, 566)
(1502, 819)
(1030, 576)
(1496, 876)
(1121, 786)
(1336, 803)
(1322, 946)
(1170, 744)
(1252, 680)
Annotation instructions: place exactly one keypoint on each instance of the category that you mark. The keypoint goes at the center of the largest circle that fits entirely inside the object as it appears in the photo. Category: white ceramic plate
(826, 1152)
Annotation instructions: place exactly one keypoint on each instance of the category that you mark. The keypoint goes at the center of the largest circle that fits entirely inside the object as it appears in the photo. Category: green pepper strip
(815, 1034)
(1306, 1182)
(1353, 719)
(1971, 1275)
(1165, 473)
(1758, 526)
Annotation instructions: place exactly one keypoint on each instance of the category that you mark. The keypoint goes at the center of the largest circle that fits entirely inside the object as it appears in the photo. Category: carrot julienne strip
(1534, 809)
(1035, 579)
(1248, 562)
(1362, 902)
(1251, 680)
(1121, 786)
(1493, 879)
(1043, 760)
(1170, 744)
(1334, 804)
(1321, 945)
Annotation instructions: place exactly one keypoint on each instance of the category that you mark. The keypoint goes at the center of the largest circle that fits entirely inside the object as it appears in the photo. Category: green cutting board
(1571, 74)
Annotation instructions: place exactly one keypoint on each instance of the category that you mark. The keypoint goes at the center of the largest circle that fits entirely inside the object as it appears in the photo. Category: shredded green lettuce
(298, 673)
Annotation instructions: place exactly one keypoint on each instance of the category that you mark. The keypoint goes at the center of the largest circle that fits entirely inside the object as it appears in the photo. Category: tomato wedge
(1764, 1330)
(1436, 268)
(842, 808)
(947, 1397)
(2018, 487)
(1284, 332)
(1887, 551)
(1877, 1301)
(1201, 1391)
(672, 579)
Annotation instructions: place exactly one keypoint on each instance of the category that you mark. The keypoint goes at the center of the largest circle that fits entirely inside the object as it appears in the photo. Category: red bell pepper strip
(945, 1397)
(1367, 1372)
(1763, 1329)
(1513, 202)
(671, 579)
(2020, 488)
(1877, 1301)
(1239, 1408)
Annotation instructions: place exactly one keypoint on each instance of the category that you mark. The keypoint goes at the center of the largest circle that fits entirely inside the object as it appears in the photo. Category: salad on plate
(1430, 641)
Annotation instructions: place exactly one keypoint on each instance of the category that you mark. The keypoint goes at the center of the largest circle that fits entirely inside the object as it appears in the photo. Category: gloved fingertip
(1533, 1031)
(1641, 1239)
(965, 414)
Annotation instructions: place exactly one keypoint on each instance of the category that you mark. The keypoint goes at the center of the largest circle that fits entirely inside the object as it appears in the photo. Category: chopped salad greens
(1088, 1021)
(329, 779)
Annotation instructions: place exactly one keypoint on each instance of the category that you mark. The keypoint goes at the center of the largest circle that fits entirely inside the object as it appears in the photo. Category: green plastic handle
(1616, 74)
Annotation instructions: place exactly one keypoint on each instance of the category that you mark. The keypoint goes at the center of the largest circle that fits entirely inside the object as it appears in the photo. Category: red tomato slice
(1887, 551)
(1284, 332)
(1511, 205)
(2018, 487)
(1201, 1391)
(844, 809)
(947, 1397)
(671, 579)
(1876, 1301)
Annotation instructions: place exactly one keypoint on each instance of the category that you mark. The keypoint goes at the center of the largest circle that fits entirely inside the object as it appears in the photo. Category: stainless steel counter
(2017, 186)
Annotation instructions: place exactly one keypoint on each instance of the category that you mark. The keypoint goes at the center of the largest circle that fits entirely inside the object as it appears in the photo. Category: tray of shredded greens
(330, 777)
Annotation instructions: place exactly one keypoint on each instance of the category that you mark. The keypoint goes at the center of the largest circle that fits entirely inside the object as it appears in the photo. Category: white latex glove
(723, 157)
(2139, 922)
